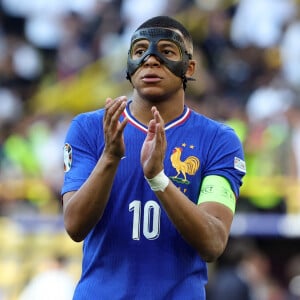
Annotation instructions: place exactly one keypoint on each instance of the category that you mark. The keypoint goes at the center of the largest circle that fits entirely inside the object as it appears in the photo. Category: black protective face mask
(154, 35)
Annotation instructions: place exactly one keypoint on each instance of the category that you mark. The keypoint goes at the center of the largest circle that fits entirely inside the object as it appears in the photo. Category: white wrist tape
(159, 182)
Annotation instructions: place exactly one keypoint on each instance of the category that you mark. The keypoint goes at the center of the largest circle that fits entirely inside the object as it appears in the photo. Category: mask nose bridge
(152, 51)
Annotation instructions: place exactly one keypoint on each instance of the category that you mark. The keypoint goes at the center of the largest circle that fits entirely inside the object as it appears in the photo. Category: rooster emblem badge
(189, 166)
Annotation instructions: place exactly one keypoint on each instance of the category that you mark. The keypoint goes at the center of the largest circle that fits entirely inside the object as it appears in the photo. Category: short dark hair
(167, 22)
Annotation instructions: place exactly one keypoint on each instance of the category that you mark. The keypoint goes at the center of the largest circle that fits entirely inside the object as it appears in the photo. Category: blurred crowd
(248, 271)
(58, 58)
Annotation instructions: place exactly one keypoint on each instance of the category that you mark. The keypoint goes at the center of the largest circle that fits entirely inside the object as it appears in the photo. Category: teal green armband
(217, 189)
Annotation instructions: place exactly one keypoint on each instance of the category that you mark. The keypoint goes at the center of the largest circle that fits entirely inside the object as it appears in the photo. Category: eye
(169, 50)
(138, 48)
(138, 52)
(171, 54)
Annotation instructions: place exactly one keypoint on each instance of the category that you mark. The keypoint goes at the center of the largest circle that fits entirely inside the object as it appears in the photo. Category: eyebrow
(163, 42)
(167, 43)
(142, 42)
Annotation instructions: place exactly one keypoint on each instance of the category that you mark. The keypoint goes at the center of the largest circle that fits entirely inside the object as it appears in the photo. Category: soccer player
(150, 185)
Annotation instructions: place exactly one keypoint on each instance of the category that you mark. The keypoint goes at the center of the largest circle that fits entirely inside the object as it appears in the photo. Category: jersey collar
(181, 119)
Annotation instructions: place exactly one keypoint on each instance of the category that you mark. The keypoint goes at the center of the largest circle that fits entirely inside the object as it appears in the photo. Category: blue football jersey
(135, 252)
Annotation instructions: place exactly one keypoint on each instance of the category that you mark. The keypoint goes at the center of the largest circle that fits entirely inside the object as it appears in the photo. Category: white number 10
(151, 219)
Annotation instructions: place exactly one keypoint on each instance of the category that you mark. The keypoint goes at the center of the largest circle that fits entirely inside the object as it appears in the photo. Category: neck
(169, 109)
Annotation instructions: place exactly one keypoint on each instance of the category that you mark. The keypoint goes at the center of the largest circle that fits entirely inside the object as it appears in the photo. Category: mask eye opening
(138, 44)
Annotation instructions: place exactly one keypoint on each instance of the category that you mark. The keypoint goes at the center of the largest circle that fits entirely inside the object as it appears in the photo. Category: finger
(117, 113)
(156, 115)
(114, 108)
(123, 124)
(160, 130)
(121, 127)
(159, 134)
(152, 126)
(112, 126)
(108, 104)
(108, 101)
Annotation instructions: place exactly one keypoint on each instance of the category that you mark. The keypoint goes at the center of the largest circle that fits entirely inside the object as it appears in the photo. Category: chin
(152, 94)
(155, 98)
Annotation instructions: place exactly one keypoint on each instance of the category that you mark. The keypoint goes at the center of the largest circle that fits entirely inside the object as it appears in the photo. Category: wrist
(111, 158)
(158, 182)
(108, 162)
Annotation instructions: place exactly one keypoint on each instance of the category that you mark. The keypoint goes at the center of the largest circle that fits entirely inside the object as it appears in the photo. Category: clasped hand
(154, 146)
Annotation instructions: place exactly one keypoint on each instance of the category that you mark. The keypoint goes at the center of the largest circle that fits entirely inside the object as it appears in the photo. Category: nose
(151, 59)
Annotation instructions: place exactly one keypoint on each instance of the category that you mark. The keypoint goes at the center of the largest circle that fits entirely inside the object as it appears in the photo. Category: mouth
(150, 78)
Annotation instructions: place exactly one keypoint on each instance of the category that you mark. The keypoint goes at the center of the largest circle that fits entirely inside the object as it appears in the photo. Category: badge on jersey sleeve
(67, 157)
(239, 164)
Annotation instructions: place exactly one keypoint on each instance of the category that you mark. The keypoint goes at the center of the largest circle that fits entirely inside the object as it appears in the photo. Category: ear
(191, 68)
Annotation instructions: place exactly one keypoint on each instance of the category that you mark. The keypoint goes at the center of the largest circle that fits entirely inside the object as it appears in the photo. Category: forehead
(157, 34)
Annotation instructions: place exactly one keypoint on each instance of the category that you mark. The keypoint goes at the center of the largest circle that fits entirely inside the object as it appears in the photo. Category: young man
(150, 186)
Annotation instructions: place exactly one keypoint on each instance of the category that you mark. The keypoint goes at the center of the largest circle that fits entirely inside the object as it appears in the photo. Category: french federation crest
(183, 167)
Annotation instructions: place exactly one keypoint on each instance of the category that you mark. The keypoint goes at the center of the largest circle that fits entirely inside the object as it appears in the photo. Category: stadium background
(59, 58)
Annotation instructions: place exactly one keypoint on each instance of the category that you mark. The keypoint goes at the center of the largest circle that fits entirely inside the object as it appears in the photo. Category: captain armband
(217, 189)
